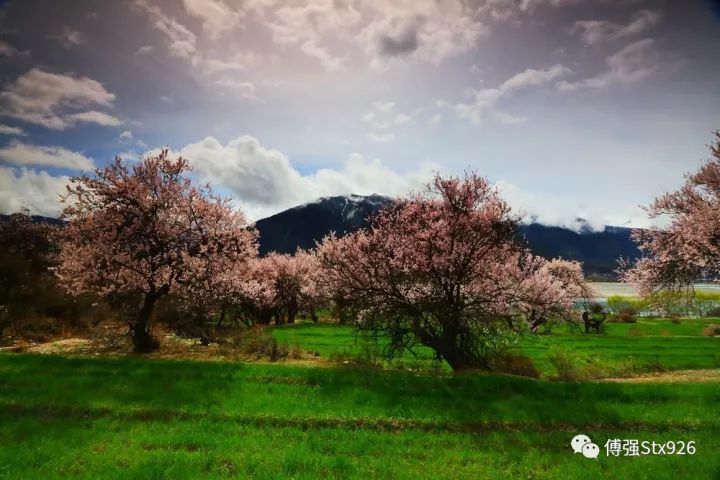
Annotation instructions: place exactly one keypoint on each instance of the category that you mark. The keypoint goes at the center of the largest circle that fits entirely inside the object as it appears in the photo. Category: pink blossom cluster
(689, 248)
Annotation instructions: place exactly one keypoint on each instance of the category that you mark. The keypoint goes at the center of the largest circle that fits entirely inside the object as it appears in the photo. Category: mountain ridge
(304, 225)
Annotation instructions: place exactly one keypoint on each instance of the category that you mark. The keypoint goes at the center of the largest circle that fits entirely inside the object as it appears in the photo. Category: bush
(711, 330)
(595, 308)
(713, 312)
(571, 369)
(617, 303)
(514, 364)
(260, 343)
(627, 315)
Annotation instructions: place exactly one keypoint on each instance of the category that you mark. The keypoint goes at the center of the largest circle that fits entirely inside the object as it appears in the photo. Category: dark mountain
(598, 251)
(35, 219)
(303, 225)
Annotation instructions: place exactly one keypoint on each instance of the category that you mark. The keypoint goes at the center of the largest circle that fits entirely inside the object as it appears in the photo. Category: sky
(575, 109)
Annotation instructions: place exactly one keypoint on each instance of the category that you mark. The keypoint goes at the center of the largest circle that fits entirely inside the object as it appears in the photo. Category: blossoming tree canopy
(444, 269)
(145, 229)
(282, 286)
(689, 248)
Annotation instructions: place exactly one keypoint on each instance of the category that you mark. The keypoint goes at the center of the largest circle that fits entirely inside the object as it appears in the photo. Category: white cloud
(238, 62)
(508, 119)
(22, 154)
(380, 137)
(383, 118)
(594, 32)
(265, 182)
(510, 10)
(216, 16)
(335, 31)
(550, 209)
(484, 101)
(7, 50)
(180, 40)
(631, 64)
(385, 107)
(145, 50)
(125, 136)
(8, 130)
(419, 31)
(56, 101)
(328, 61)
(93, 116)
(436, 119)
(70, 38)
(37, 190)
(240, 89)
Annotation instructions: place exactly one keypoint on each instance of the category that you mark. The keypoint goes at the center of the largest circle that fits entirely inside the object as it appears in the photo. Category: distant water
(605, 289)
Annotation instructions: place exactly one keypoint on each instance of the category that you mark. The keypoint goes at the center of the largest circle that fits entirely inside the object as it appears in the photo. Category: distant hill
(303, 225)
(598, 251)
(35, 219)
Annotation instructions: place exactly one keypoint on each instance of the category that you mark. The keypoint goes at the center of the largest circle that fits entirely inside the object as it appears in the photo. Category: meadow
(95, 418)
(649, 344)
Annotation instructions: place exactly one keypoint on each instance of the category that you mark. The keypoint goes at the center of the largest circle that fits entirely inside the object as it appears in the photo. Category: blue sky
(575, 108)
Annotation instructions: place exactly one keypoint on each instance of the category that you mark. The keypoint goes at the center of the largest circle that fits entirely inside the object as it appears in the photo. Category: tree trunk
(143, 342)
(222, 317)
(292, 312)
(451, 348)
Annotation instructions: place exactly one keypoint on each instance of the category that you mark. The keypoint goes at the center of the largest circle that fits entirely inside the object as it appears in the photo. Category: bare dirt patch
(66, 345)
(678, 376)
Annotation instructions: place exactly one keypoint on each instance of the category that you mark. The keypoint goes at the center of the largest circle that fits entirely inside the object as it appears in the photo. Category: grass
(136, 418)
(649, 343)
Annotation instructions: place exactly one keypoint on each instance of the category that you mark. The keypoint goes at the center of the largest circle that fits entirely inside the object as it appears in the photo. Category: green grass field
(95, 418)
(648, 343)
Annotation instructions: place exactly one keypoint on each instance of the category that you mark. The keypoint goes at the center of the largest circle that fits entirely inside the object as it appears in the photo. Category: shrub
(711, 330)
(713, 312)
(627, 315)
(260, 343)
(514, 364)
(574, 369)
(630, 368)
(595, 308)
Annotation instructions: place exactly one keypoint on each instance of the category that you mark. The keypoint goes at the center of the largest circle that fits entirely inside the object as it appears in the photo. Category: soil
(677, 376)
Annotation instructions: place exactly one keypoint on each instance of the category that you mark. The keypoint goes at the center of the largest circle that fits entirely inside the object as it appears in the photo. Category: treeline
(36, 304)
(143, 244)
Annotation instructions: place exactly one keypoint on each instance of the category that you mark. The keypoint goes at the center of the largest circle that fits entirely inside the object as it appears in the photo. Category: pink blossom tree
(295, 278)
(688, 249)
(281, 286)
(557, 279)
(145, 230)
(257, 292)
(443, 269)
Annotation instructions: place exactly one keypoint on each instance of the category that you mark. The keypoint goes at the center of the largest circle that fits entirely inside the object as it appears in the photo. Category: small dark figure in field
(591, 322)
